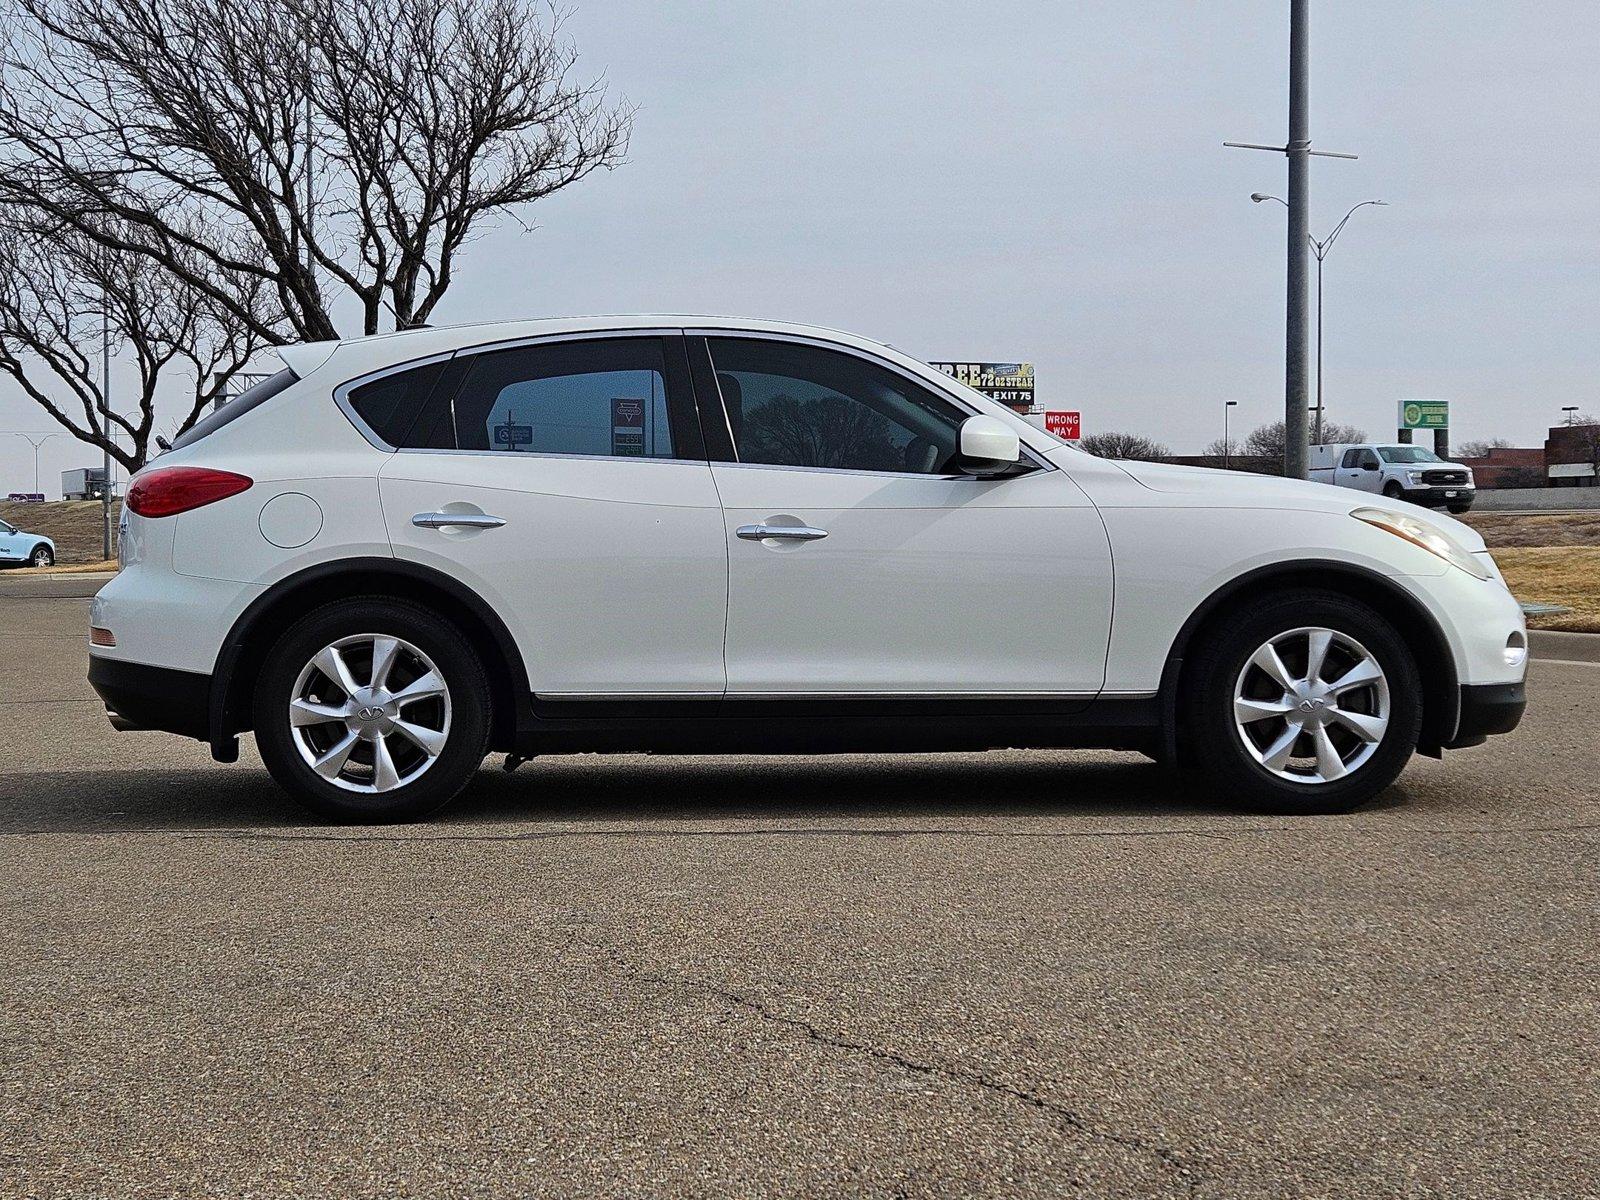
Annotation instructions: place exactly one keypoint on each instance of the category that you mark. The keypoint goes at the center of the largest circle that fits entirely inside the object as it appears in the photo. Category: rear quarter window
(390, 405)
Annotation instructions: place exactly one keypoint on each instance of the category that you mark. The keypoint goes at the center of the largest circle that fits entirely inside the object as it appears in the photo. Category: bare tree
(1267, 441)
(327, 150)
(1130, 447)
(1481, 447)
(62, 292)
(1221, 448)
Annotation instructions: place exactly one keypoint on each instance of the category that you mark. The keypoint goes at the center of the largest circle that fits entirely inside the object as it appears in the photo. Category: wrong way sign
(1068, 426)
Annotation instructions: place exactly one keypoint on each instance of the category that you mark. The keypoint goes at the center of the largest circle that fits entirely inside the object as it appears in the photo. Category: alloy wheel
(370, 713)
(1311, 705)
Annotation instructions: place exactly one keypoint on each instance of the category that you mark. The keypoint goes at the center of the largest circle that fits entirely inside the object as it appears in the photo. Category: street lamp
(1320, 249)
(1572, 412)
(35, 440)
(1226, 445)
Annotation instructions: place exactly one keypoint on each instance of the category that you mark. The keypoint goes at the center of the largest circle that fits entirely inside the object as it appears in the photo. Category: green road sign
(1424, 414)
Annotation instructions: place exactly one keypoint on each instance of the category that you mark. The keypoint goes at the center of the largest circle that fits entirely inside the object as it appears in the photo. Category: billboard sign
(627, 427)
(1068, 426)
(1010, 384)
(1424, 414)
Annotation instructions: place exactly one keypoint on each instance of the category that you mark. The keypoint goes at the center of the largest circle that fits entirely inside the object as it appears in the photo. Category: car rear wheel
(1305, 702)
(42, 556)
(372, 710)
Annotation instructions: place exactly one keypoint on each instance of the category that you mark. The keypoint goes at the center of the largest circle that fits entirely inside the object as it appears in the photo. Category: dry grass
(1565, 575)
(1540, 529)
(74, 526)
(87, 568)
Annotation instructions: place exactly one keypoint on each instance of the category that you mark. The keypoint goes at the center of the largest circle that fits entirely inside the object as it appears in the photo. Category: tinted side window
(1369, 459)
(391, 403)
(1351, 458)
(598, 397)
(794, 405)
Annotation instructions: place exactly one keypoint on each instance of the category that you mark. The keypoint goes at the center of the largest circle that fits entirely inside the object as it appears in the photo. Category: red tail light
(168, 491)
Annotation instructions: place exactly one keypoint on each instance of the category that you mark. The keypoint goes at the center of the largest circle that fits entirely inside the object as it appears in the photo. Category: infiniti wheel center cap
(372, 712)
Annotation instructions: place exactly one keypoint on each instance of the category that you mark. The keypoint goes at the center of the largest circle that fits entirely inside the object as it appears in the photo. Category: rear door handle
(448, 520)
(788, 533)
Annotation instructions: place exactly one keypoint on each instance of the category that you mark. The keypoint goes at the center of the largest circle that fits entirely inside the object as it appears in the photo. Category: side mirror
(989, 447)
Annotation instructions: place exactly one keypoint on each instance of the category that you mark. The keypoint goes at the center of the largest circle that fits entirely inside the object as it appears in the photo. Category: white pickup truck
(1400, 472)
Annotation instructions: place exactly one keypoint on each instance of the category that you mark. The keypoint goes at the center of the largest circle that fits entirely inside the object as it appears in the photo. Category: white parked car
(1400, 472)
(18, 547)
(706, 535)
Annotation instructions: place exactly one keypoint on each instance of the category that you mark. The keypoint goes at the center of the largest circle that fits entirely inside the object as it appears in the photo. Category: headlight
(1413, 477)
(1430, 537)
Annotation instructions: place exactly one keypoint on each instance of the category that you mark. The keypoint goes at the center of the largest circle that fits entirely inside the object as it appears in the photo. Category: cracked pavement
(1027, 974)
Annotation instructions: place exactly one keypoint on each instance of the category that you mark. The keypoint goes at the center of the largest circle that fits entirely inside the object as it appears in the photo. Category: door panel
(923, 584)
(611, 574)
(565, 481)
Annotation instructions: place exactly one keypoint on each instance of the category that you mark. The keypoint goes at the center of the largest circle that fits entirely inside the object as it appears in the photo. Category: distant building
(1507, 467)
(1570, 455)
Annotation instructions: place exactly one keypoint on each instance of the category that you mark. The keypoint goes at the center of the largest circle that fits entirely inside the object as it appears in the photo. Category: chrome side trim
(534, 454)
(602, 696)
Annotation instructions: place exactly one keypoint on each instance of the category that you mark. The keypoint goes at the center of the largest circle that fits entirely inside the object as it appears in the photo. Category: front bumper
(147, 697)
(1486, 709)
(1441, 497)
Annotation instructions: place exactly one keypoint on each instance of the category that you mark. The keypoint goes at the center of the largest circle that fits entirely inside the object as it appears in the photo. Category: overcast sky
(1046, 182)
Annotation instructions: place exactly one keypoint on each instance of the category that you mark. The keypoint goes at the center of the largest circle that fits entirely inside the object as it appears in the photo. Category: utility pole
(1298, 151)
(1227, 448)
(105, 425)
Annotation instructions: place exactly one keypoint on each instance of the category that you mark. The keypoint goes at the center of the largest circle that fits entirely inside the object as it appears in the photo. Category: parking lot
(1015, 973)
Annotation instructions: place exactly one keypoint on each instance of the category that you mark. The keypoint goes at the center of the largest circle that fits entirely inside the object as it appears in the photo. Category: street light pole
(35, 442)
(1227, 447)
(1320, 251)
(1572, 413)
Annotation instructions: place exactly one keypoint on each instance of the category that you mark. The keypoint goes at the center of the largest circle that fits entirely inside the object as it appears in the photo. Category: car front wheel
(372, 710)
(42, 556)
(1305, 702)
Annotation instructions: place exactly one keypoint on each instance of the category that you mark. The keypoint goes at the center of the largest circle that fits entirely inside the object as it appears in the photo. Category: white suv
(705, 535)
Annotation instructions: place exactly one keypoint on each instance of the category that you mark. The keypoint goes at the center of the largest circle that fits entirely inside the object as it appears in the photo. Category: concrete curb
(28, 585)
(1574, 647)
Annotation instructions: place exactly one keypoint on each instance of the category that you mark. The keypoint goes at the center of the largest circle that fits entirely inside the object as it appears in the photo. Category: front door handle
(788, 533)
(450, 520)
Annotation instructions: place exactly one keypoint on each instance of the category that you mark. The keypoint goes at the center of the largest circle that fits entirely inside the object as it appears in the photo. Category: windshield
(1408, 454)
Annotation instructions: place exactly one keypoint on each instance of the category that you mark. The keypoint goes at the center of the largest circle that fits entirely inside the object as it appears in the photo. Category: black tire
(1215, 744)
(1393, 491)
(466, 730)
(42, 556)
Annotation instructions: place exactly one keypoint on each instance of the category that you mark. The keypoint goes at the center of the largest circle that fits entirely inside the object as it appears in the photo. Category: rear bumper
(1487, 709)
(147, 697)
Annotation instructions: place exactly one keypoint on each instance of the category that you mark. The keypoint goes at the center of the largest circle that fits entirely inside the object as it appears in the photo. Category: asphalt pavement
(1007, 974)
